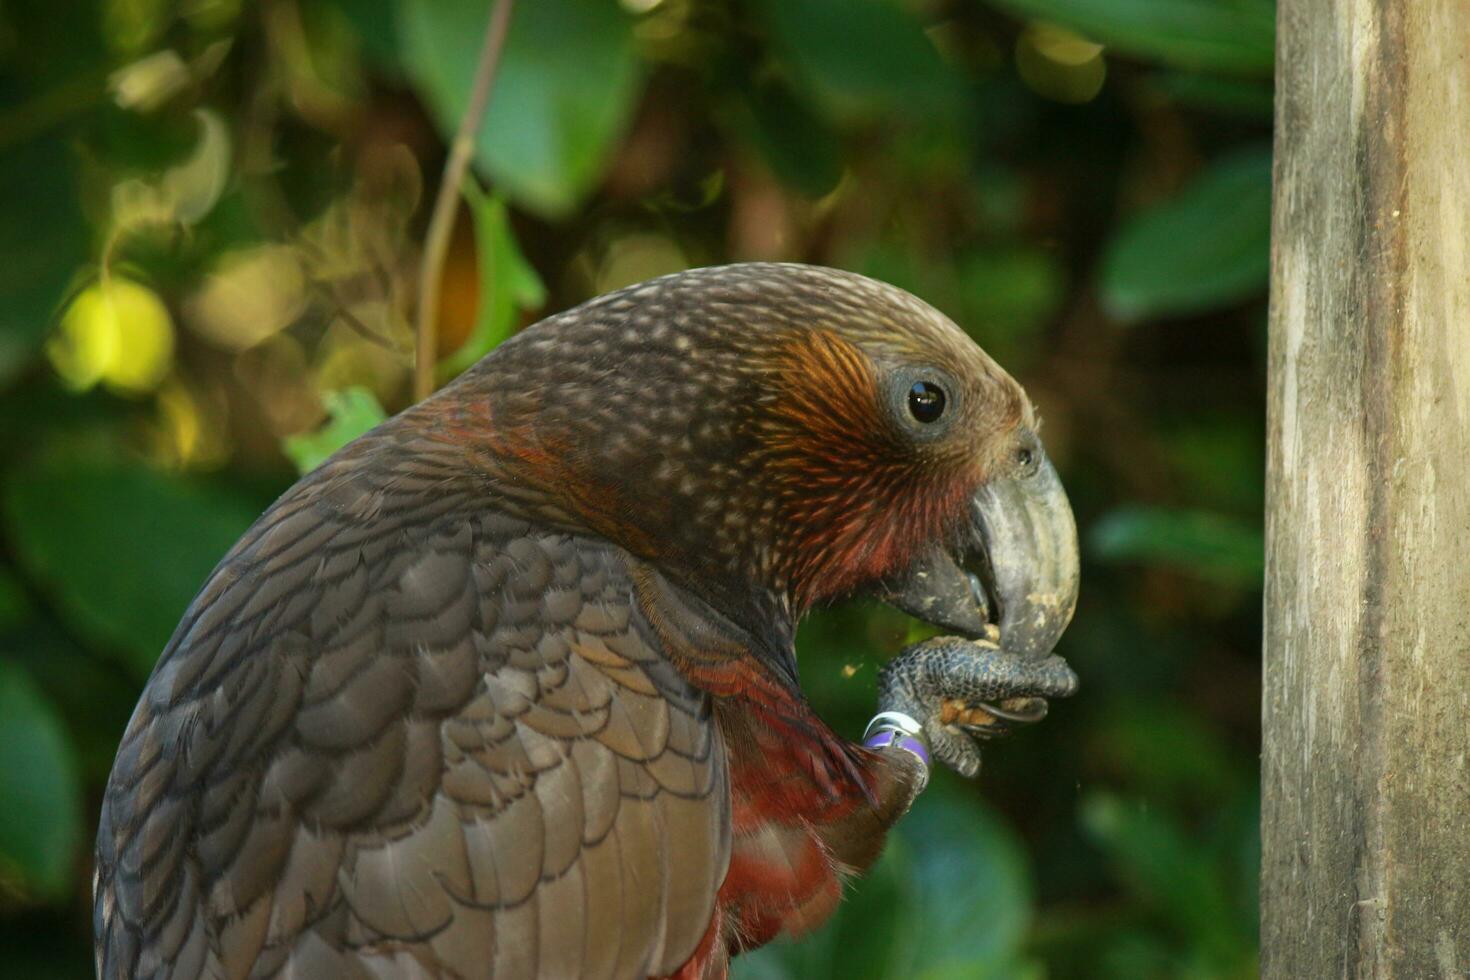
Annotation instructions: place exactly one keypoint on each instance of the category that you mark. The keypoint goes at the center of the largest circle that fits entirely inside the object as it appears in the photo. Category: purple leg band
(887, 737)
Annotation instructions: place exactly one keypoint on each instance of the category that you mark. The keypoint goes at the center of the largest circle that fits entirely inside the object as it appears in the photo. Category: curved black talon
(1005, 719)
(1036, 710)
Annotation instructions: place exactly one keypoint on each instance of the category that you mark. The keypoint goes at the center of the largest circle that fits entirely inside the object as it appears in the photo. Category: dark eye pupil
(926, 401)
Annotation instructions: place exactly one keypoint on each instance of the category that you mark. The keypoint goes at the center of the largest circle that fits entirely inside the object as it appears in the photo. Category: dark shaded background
(210, 214)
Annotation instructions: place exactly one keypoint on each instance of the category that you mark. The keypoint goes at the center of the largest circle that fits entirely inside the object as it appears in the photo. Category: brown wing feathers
(402, 734)
(424, 721)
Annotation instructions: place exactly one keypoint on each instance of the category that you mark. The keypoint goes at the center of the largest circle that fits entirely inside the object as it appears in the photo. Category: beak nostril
(1028, 458)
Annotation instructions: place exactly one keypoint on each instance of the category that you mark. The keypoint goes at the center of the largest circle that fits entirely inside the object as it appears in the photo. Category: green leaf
(1165, 752)
(508, 283)
(1007, 294)
(1219, 547)
(15, 607)
(1207, 248)
(120, 547)
(40, 792)
(1126, 954)
(1238, 97)
(797, 145)
(376, 27)
(1179, 879)
(975, 897)
(42, 245)
(864, 58)
(351, 412)
(1236, 36)
(1218, 458)
(93, 695)
(566, 88)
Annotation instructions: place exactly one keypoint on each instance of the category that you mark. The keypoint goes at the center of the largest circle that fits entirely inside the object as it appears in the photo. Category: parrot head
(773, 436)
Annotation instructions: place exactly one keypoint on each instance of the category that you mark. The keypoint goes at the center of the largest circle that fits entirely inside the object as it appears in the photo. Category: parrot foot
(963, 691)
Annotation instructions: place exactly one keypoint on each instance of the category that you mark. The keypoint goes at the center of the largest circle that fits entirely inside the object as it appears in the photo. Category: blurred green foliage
(350, 413)
(210, 214)
(1207, 247)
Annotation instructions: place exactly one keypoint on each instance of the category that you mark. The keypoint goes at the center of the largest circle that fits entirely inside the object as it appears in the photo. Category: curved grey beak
(1015, 570)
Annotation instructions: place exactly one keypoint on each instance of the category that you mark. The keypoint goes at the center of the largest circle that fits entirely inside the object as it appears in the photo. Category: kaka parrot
(507, 686)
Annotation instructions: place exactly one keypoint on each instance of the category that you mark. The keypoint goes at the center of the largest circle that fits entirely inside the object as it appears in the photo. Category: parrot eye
(926, 401)
(923, 399)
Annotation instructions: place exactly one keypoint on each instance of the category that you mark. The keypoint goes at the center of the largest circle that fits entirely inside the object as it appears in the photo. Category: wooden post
(1366, 755)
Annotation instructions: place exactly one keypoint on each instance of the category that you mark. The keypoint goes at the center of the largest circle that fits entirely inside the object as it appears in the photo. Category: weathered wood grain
(1366, 757)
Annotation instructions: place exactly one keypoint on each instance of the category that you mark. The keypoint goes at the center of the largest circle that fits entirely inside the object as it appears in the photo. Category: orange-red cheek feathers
(857, 501)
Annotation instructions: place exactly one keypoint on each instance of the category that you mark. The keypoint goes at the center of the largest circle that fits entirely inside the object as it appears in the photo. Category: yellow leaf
(116, 333)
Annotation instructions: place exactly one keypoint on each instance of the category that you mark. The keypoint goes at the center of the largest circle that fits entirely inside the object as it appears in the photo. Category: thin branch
(446, 204)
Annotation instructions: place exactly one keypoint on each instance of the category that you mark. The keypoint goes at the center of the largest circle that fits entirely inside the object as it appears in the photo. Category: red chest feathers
(788, 777)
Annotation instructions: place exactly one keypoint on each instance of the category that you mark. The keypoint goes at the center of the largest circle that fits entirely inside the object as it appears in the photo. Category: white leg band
(893, 721)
